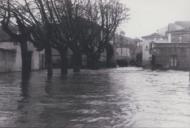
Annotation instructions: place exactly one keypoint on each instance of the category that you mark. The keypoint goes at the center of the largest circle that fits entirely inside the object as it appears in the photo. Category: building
(127, 50)
(122, 50)
(171, 55)
(146, 46)
(175, 53)
(10, 55)
(179, 32)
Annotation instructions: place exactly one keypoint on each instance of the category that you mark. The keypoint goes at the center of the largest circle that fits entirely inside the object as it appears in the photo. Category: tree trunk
(64, 62)
(109, 55)
(77, 61)
(92, 61)
(89, 61)
(26, 61)
(108, 58)
(48, 59)
(153, 62)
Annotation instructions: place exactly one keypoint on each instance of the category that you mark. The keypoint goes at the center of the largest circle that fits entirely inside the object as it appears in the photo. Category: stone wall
(172, 55)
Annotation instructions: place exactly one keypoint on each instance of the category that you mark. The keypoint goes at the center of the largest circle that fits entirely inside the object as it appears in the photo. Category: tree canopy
(84, 26)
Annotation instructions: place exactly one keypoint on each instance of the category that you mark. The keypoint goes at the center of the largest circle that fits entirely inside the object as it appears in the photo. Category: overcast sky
(146, 16)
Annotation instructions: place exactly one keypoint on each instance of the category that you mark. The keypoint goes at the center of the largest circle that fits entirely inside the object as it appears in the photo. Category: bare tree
(11, 18)
(84, 26)
(112, 14)
(102, 20)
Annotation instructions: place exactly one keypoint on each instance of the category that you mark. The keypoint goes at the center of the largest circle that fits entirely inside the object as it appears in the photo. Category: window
(173, 61)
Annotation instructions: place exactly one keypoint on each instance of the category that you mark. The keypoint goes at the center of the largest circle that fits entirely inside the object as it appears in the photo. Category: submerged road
(111, 98)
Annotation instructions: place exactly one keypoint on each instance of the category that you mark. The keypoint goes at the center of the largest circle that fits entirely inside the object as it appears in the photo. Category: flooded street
(111, 98)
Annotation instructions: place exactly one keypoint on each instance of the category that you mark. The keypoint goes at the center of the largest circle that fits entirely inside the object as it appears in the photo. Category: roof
(124, 40)
(179, 25)
(153, 35)
(184, 24)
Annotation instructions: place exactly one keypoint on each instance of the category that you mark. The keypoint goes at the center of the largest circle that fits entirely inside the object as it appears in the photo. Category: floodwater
(111, 98)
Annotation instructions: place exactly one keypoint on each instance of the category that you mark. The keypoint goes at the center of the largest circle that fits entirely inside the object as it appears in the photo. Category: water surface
(111, 98)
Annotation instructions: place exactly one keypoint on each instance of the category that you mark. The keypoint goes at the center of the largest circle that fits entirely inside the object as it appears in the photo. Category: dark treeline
(83, 26)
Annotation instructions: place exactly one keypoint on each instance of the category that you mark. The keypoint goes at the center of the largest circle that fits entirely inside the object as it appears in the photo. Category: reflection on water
(116, 98)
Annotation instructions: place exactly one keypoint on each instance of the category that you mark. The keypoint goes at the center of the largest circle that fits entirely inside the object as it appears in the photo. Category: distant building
(154, 37)
(174, 54)
(146, 46)
(126, 49)
(179, 32)
(171, 55)
(122, 48)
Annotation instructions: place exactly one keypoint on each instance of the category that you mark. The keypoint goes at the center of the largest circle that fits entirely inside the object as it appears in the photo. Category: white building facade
(146, 47)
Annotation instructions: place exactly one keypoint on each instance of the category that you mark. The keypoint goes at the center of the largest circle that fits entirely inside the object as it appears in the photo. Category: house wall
(146, 48)
(36, 60)
(10, 56)
(169, 37)
(172, 53)
(7, 58)
(18, 59)
(180, 37)
(146, 53)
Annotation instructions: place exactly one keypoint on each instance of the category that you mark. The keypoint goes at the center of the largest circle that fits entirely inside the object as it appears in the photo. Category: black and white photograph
(94, 63)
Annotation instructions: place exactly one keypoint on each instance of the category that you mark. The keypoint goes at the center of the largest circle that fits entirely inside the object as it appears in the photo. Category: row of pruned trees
(84, 26)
